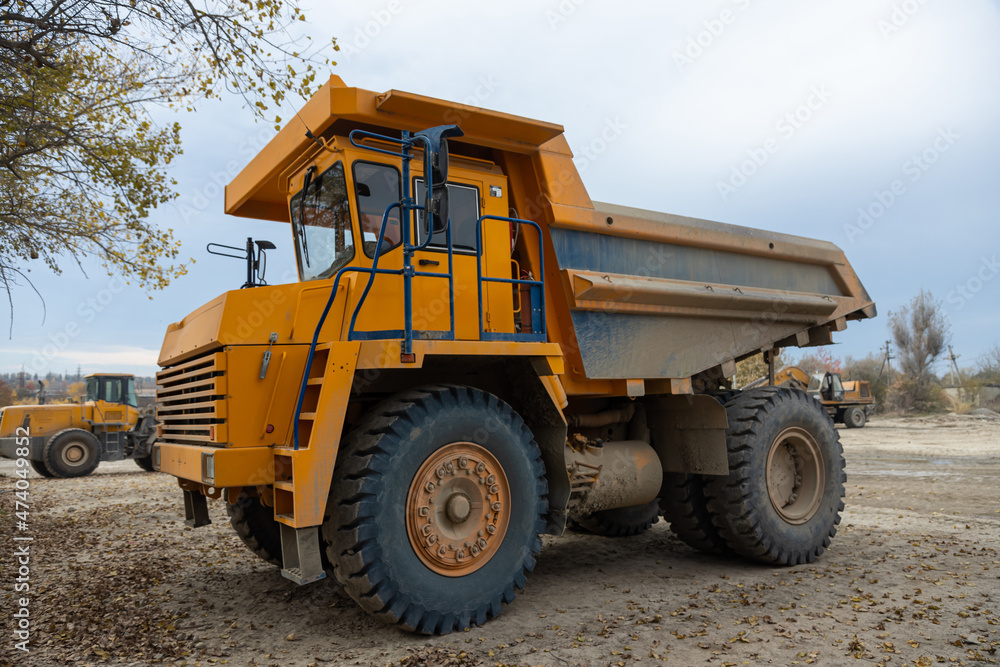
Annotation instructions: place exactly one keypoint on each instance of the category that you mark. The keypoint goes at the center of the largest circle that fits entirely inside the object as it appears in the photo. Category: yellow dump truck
(476, 353)
(71, 439)
(849, 403)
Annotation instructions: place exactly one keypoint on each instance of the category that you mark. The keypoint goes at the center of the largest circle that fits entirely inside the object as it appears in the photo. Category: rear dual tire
(782, 499)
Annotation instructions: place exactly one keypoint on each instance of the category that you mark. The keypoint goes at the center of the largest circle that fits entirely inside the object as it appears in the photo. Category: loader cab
(337, 208)
(827, 385)
(112, 399)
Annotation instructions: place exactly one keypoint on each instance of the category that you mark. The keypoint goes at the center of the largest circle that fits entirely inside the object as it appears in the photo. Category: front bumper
(36, 446)
(216, 466)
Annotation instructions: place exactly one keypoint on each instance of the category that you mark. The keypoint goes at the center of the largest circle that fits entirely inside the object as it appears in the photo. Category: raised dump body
(454, 374)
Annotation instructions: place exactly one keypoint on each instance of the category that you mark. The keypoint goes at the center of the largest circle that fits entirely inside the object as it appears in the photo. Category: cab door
(470, 196)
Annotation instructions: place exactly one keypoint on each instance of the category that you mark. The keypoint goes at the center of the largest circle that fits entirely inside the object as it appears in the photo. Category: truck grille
(191, 401)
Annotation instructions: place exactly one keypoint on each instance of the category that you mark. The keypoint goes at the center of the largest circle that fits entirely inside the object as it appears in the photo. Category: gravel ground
(913, 578)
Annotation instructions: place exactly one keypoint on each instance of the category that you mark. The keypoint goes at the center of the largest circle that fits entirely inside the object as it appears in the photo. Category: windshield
(92, 386)
(130, 392)
(321, 223)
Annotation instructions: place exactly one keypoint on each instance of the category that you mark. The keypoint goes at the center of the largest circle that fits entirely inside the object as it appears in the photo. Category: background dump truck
(431, 397)
(849, 403)
(71, 439)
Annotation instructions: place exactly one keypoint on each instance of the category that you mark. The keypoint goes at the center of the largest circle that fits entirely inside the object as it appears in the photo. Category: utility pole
(886, 363)
(955, 373)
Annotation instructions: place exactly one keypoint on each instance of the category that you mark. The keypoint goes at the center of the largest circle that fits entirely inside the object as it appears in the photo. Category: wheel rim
(795, 475)
(457, 509)
(74, 454)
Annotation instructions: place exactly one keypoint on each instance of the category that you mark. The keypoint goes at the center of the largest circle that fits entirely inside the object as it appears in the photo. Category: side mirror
(437, 144)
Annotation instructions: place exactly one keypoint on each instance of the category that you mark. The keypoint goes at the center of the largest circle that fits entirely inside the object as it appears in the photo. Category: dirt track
(913, 578)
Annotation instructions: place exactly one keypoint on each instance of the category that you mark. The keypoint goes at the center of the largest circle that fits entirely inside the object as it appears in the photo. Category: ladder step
(283, 485)
(308, 415)
(315, 381)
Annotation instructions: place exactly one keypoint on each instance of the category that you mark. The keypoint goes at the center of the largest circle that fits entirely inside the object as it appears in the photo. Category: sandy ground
(913, 578)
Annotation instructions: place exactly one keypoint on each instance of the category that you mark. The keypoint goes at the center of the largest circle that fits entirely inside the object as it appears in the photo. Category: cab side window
(377, 187)
(463, 204)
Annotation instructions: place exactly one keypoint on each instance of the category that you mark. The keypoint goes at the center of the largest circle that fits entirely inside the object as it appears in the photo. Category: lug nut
(496, 507)
(491, 529)
(463, 462)
(460, 555)
(491, 479)
(431, 539)
(494, 489)
(480, 468)
(429, 486)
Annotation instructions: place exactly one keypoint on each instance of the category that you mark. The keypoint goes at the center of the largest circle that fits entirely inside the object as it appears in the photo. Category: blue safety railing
(407, 206)
(536, 291)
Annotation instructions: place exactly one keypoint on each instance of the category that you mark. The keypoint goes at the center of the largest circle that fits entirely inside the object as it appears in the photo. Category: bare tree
(988, 365)
(921, 334)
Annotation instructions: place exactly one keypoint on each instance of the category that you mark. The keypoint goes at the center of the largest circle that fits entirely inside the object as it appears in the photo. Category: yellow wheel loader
(477, 353)
(849, 403)
(71, 439)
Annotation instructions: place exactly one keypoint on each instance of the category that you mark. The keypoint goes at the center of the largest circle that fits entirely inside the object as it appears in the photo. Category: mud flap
(300, 553)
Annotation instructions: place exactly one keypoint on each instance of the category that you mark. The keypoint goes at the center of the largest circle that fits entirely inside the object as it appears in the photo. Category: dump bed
(654, 295)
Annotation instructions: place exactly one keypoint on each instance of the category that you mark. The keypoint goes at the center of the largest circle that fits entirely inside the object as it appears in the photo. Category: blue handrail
(537, 286)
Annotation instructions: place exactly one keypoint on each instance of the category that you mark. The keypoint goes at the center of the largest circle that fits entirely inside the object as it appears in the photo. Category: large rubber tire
(254, 522)
(73, 452)
(686, 509)
(39, 467)
(780, 441)
(373, 553)
(855, 418)
(622, 521)
(146, 463)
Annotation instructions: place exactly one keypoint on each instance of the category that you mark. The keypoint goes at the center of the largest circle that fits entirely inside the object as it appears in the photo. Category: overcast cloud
(871, 124)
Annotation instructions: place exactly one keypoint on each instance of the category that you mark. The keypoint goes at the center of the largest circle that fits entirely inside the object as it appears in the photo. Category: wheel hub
(795, 475)
(73, 454)
(457, 509)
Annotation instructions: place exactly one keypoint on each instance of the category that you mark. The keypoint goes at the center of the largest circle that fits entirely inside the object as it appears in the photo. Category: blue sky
(868, 123)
